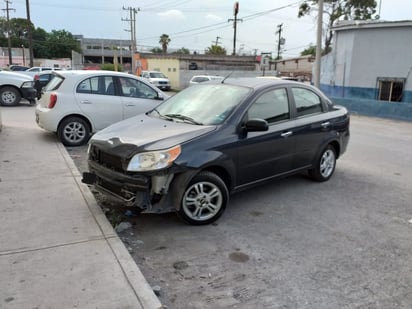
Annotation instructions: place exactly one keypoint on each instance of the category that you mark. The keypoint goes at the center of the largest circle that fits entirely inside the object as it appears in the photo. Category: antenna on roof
(223, 80)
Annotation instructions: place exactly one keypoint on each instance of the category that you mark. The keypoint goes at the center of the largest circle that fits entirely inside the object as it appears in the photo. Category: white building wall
(378, 52)
(343, 55)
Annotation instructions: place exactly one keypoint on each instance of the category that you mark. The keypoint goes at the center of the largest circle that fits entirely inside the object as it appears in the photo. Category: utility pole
(29, 33)
(8, 9)
(280, 41)
(132, 12)
(318, 45)
(235, 20)
(217, 41)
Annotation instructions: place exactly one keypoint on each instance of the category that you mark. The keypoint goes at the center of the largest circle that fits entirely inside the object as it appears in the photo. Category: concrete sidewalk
(57, 249)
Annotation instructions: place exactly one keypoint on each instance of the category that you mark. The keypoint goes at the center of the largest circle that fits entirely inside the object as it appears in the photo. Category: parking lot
(295, 243)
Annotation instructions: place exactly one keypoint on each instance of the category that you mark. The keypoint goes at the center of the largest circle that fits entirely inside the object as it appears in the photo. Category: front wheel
(9, 96)
(73, 131)
(325, 165)
(204, 199)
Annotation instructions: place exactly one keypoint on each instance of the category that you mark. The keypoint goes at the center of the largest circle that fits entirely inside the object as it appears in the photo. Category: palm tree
(164, 40)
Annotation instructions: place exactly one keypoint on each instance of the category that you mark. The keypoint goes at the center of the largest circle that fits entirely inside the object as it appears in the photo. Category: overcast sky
(192, 24)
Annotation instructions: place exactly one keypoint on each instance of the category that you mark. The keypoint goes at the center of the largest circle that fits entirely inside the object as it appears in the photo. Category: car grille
(162, 83)
(105, 159)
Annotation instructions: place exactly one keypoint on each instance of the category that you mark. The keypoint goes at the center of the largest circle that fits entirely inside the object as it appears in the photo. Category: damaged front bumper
(155, 193)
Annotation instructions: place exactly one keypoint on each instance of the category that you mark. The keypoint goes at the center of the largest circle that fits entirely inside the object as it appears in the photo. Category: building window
(174, 69)
(390, 89)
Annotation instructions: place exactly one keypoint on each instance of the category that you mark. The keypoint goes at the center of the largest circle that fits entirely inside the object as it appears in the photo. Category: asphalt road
(294, 243)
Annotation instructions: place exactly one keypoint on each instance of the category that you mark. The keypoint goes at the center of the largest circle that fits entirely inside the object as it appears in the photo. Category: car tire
(9, 96)
(325, 165)
(204, 199)
(73, 131)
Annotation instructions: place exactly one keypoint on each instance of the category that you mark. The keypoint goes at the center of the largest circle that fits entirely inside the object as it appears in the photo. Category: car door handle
(130, 104)
(286, 134)
(325, 124)
(85, 102)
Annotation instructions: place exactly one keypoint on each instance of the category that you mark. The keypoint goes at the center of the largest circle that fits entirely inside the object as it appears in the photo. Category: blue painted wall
(358, 93)
(384, 109)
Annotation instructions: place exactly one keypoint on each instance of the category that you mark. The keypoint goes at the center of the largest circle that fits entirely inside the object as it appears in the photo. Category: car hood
(145, 133)
(5, 75)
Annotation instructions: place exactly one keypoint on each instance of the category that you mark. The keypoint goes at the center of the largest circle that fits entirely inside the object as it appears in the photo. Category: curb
(134, 276)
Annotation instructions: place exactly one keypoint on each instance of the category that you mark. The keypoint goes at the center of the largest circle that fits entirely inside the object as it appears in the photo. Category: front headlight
(153, 160)
(27, 84)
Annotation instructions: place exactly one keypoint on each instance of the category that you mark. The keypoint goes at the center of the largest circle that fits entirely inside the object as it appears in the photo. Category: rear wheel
(204, 199)
(73, 131)
(9, 96)
(325, 165)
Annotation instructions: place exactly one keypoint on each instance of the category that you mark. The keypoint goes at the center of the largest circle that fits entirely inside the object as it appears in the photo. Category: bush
(110, 67)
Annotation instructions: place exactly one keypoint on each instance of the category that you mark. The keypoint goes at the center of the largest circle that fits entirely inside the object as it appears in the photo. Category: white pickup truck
(14, 87)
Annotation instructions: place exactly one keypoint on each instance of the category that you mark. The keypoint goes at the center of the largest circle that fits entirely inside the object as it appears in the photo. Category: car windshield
(157, 75)
(203, 104)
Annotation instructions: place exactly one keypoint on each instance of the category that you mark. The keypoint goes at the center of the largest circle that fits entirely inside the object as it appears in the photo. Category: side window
(136, 89)
(85, 86)
(97, 85)
(307, 102)
(272, 106)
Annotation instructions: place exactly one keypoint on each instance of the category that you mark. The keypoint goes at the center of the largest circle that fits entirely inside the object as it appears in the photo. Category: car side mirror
(160, 97)
(256, 125)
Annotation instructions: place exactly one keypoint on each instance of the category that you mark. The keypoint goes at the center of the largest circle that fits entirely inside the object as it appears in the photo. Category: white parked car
(14, 87)
(197, 79)
(41, 69)
(157, 78)
(33, 71)
(76, 104)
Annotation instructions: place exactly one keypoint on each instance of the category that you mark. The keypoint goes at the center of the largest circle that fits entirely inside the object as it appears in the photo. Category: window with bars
(390, 89)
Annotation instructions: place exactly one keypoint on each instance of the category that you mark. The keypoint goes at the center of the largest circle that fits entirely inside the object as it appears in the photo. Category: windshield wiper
(184, 118)
(160, 115)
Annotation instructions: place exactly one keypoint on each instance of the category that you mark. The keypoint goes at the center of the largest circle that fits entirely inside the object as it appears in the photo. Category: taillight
(36, 77)
(53, 100)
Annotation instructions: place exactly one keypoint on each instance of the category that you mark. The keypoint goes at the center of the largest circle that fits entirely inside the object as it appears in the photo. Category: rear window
(55, 83)
(200, 79)
(157, 75)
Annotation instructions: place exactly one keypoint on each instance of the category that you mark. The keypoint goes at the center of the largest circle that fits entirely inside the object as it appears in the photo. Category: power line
(224, 24)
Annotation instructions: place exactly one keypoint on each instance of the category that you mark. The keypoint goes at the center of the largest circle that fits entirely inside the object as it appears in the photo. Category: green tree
(40, 48)
(61, 43)
(215, 50)
(18, 31)
(156, 50)
(311, 50)
(182, 51)
(164, 41)
(56, 44)
(339, 10)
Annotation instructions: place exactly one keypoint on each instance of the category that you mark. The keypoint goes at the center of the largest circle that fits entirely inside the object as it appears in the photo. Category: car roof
(82, 73)
(256, 83)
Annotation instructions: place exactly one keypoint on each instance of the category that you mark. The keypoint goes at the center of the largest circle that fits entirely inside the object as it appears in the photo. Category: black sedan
(213, 139)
